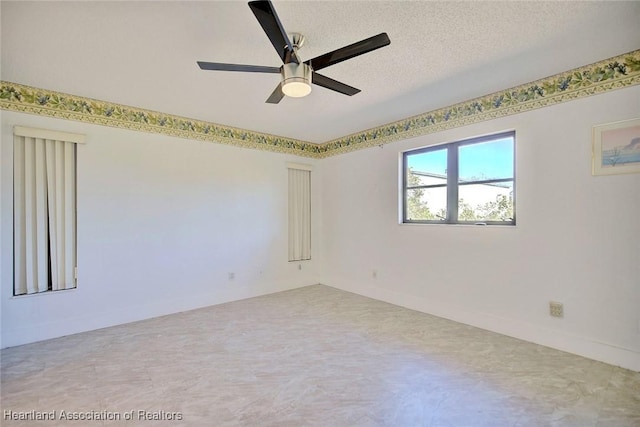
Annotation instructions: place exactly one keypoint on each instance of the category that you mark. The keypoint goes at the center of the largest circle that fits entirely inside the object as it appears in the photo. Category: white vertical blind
(299, 213)
(31, 254)
(62, 210)
(44, 212)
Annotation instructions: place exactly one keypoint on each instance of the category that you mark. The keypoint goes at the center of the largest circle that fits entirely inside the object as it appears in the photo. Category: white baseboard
(570, 343)
(12, 337)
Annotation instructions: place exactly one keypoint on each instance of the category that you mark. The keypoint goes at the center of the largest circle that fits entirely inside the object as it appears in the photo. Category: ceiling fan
(297, 76)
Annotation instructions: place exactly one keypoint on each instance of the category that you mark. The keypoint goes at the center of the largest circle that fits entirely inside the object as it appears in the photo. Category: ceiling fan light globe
(296, 80)
(296, 89)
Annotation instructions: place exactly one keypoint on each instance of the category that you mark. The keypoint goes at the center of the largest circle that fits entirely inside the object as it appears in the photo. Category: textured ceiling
(144, 54)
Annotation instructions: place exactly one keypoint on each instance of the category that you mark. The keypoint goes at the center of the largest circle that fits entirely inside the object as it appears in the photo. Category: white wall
(162, 221)
(577, 238)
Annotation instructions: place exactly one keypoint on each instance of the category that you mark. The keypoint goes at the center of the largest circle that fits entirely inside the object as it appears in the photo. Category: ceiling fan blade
(276, 96)
(215, 66)
(268, 18)
(348, 52)
(335, 85)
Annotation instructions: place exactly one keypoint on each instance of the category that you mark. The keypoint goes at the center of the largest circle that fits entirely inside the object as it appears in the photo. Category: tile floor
(314, 356)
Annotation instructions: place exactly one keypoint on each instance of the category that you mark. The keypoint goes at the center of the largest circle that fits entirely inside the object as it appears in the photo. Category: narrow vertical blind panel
(62, 210)
(44, 215)
(299, 214)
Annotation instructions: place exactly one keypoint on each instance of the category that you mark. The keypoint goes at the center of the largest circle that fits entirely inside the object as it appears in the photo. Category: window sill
(419, 224)
(37, 294)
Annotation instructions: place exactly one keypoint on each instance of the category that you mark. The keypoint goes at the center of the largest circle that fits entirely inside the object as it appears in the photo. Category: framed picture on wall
(616, 148)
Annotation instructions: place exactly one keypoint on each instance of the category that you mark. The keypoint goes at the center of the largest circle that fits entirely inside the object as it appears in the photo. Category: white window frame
(452, 185)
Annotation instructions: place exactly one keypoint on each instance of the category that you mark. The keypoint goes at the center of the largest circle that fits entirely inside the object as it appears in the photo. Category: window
(44, 210)
(299, 212)
(464, 182)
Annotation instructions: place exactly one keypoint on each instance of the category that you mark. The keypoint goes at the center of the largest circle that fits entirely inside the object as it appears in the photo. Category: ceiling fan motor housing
(296, 79)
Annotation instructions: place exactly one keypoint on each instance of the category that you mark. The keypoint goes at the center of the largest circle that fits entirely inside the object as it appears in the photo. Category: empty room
(320, 213)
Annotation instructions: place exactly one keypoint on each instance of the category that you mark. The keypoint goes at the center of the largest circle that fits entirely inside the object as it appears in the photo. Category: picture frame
(616, 148)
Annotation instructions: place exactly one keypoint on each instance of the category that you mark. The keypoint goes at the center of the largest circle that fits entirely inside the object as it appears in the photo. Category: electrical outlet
(374, 274)
(299, 266)
(232, 276)
(556, 309)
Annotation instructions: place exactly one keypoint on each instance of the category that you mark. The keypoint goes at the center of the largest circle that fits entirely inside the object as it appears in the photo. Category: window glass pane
(427, 168)
(426, 204)
(486, 202)
(486, 160)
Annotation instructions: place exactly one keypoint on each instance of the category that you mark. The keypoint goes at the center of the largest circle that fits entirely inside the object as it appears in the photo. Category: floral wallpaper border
(27, 99)
(614, 73)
